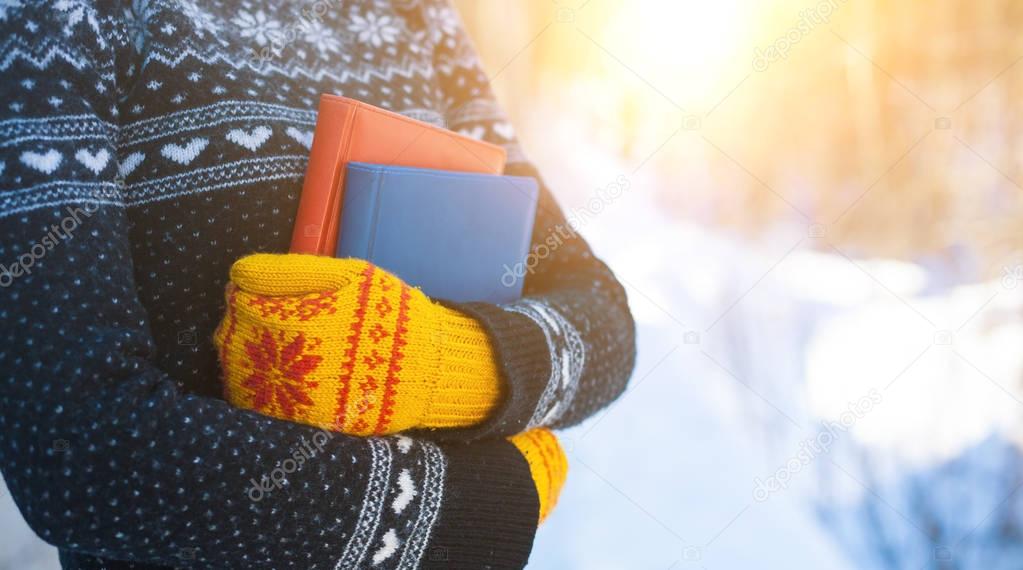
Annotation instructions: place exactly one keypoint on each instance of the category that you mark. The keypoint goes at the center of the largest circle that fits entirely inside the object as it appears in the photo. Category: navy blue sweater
(146, 145)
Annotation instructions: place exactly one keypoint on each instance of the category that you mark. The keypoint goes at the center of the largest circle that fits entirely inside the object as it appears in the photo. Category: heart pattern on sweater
(130, 163)
(304, 138)
(390, 544)
(45, 163)
(407, 492)
(251, 140)
(184, 154)
(94, 162)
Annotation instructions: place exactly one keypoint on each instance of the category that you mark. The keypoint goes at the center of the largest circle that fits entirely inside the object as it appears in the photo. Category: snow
(19, 547)
(950, 387)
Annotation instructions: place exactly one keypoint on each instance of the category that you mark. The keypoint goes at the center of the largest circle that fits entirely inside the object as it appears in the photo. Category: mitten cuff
(523, 359)
(468, 383)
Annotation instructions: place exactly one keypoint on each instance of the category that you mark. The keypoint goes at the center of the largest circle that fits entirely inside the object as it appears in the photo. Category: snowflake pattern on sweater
(147, 144)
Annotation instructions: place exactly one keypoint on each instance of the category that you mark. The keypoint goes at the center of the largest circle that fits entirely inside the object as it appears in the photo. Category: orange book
(351, 131)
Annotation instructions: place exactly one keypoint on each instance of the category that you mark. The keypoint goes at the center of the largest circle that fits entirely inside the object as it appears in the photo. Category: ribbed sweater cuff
(525, 364)
(490, 510)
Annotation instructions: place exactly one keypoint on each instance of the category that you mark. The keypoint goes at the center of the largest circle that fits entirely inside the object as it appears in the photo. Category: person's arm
(567, 349)
(102, 452)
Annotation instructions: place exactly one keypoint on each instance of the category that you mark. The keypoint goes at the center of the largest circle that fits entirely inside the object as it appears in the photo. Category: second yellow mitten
(343, 345)
(547, 465)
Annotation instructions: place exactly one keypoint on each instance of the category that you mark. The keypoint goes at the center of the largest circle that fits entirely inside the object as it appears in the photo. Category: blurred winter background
(816, 210)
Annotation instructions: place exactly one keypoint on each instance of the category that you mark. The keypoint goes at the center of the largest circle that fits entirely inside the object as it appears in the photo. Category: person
(149, 147)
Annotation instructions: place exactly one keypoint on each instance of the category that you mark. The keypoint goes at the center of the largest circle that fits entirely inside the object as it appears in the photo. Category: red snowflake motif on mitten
(279, 373)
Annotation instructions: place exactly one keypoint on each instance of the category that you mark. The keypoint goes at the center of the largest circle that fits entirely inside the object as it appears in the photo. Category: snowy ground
(20, 549)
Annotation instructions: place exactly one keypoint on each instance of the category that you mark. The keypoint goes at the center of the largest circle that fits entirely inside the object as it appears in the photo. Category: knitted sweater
(148, 144)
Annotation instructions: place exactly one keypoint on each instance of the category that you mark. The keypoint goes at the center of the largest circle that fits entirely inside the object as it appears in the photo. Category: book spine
(323, 180)
(359, 216)
(330, 238)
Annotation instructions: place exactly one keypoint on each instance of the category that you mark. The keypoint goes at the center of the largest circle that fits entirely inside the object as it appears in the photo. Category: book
(457, 236)
(352, 131)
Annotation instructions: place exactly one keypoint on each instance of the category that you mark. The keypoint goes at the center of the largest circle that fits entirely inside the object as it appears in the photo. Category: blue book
(458, 236)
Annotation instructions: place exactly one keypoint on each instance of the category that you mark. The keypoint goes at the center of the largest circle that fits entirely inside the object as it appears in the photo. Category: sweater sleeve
(105, 455)
(567, 348)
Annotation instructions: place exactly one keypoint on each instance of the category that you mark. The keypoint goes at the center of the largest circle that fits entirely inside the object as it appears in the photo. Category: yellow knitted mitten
(547, 464)
(343, 345)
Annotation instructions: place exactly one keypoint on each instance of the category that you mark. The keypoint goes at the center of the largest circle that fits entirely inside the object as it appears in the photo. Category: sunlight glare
(691, 45)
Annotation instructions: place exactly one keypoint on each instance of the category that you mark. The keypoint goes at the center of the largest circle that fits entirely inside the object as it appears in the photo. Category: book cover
(458, 236)
(351, 131)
